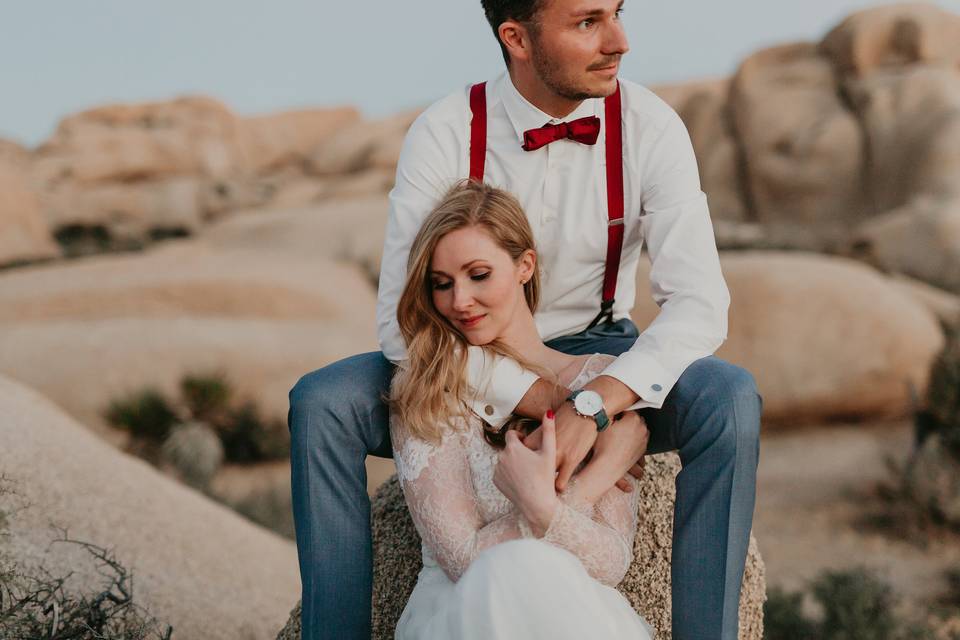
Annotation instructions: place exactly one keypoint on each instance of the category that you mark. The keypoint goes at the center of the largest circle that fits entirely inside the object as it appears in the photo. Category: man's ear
(516, 39)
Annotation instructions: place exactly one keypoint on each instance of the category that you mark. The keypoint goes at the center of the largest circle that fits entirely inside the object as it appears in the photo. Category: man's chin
(606, 88)
(598, 89)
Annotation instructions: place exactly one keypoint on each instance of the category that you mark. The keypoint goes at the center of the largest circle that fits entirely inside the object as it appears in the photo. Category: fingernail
(550, 413)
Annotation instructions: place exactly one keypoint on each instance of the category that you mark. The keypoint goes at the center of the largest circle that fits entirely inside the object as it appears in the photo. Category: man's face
(577, 46)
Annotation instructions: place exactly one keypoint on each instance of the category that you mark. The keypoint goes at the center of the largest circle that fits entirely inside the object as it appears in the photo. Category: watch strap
(601, 418)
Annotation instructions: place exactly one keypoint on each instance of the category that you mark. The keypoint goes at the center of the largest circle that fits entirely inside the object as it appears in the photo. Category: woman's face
(476, 284)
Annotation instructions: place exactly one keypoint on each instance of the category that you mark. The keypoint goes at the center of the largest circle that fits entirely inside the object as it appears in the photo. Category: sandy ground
(815, 494)
(815, 497)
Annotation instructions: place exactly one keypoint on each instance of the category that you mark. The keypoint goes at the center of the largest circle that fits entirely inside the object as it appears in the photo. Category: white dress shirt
(562, 187)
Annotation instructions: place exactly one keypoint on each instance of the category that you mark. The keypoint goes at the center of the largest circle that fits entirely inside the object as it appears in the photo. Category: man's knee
(717, 381)
(717, 386)
(338, 394)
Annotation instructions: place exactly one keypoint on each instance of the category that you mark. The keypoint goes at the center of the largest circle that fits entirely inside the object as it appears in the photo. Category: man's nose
(615, 42)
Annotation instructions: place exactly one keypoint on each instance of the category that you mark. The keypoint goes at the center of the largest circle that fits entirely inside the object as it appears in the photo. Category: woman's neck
(523, 337)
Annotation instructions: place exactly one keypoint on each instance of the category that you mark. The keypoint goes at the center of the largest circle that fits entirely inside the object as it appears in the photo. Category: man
(562, 61)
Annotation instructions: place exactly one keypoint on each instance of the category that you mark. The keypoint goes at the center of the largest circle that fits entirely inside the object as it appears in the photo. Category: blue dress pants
(711, 417)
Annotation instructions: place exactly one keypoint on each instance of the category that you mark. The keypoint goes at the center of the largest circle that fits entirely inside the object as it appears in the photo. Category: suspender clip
(615, 222)
(606, 314)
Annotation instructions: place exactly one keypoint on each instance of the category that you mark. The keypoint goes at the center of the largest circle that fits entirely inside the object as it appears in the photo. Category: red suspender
(478, 130)
(614, 155)
(613, 136)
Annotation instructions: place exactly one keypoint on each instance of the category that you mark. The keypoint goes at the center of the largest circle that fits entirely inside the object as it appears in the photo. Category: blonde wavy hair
(429, 390)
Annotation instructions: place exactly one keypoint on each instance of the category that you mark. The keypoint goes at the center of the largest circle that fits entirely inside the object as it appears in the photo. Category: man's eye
(620, 12)
(584, 24)
(442, 286)
(480, 276)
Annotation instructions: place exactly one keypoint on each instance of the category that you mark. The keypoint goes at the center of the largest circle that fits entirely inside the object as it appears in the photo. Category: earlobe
(513, 37)
(526, 269)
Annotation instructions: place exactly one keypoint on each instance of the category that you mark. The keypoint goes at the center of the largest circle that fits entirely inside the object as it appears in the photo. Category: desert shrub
(146, 414)
(783, 617)
(951, 597)
(206, 396)
(35, 604)
(78, 240)
(248, 437)
(855, 605)
(245, 434)
(942, 409)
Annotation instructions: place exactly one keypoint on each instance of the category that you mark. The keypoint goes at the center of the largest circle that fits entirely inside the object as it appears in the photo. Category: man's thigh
(347, 400)
(612, 339)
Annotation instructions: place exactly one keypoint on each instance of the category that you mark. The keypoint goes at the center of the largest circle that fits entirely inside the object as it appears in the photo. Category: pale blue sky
(61, 56)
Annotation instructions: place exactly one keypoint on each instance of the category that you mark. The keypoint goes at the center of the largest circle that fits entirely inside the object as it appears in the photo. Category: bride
(504, 555)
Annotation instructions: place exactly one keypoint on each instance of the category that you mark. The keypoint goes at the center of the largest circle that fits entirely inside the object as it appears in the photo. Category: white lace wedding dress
(485, 575)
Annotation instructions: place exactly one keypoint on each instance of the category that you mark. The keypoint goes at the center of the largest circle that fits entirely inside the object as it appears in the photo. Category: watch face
(588, 403)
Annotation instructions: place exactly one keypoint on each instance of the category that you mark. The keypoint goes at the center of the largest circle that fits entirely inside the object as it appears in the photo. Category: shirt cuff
(498, 385)
(645, 376)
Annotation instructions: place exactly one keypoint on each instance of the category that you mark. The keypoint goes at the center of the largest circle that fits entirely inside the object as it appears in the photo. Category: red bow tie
(585, 130)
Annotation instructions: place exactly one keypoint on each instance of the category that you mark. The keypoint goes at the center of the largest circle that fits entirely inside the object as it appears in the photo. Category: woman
(504, 556)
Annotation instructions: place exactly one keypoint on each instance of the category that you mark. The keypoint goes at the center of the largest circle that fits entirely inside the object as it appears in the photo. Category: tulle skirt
(524, 590)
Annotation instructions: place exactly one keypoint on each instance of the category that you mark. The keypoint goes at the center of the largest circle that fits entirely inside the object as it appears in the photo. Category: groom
(546, 130)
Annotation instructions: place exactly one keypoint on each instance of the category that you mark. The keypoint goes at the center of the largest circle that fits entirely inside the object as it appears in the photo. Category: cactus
(194, 450)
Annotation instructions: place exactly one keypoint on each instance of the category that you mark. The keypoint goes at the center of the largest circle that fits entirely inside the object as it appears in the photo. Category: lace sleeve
(600, 535)
(439, 491)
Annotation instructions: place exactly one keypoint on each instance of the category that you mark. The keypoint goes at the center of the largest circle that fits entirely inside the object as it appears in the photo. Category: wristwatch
(589, 404)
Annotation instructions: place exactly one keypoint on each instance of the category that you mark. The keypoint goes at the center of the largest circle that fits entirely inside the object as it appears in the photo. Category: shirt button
(656, 387)
(488, 410)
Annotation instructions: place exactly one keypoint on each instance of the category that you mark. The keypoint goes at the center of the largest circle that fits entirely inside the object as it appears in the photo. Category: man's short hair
(499, 11)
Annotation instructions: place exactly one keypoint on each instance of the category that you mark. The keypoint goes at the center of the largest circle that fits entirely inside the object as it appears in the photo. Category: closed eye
(441, 286)
(480, 276)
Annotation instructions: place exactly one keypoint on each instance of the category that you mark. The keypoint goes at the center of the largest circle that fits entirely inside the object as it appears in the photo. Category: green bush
(206, 396)
(783, 617)
(943, 392)
(855, 605)
(247, 437)
(146, 414)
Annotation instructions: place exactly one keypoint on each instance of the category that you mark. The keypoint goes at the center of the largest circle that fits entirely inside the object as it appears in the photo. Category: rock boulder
(824, 337)
(196, 565)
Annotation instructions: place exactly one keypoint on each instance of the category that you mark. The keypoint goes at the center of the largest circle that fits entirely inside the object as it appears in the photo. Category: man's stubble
(551, 74)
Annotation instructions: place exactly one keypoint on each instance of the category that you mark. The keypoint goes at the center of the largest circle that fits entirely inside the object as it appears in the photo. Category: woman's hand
(527, 477)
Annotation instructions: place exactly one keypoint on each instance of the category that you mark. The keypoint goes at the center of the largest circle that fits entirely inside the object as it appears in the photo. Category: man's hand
(575, 437)
(576, 434)
(619, 449)
(636, 471)
(622, 448)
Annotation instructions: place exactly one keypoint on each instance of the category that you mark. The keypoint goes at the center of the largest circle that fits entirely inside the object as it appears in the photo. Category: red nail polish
(550, 413)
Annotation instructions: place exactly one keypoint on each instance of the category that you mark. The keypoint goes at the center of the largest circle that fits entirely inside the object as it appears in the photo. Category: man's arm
(687, 285)
(685, 276)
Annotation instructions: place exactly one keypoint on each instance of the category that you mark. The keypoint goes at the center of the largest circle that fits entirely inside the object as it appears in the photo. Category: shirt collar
(524, 116)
